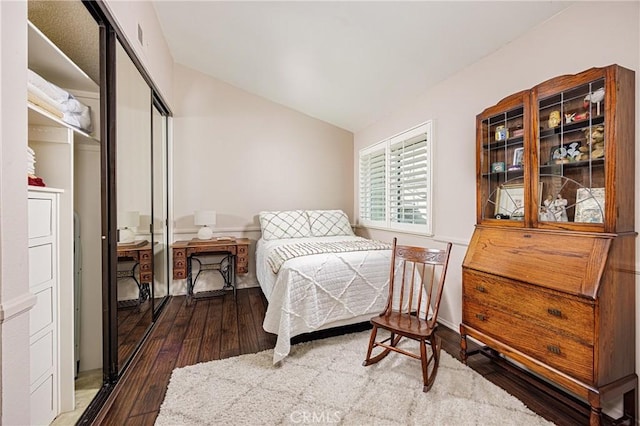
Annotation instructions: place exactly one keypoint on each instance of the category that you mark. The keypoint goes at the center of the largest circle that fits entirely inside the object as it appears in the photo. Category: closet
(97, 204)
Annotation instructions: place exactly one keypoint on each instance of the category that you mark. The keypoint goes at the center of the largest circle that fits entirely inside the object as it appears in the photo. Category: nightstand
(235, 261)
(140, 253)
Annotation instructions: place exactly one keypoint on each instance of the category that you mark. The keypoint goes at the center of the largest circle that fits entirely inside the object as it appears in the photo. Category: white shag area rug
(324, 382)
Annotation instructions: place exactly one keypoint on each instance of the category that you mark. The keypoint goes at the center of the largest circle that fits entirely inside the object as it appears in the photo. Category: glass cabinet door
(571, 154)
(502, 165)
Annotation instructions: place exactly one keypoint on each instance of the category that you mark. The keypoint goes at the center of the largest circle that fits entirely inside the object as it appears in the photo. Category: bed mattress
(320, 291)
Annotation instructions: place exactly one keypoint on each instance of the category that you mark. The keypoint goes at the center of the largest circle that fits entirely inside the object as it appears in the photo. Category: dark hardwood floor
(216, 328)
(133, 322)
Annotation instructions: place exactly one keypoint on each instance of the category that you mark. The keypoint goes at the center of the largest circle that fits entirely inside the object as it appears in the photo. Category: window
(395, 182)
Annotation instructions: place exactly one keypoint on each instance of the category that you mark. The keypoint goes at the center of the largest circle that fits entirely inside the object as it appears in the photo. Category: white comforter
(320, 291)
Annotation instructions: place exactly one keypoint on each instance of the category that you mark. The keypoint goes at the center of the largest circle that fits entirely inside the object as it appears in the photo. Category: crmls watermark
(306, 417)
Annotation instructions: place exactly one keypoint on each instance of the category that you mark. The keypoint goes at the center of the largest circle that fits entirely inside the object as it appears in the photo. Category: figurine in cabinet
(595, 138)
(594, 98)
(554, 119)
(557, 207)
(502, 133)
(569, 118)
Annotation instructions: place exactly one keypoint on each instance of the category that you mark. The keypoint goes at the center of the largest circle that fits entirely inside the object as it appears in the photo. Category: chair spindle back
(416, 280)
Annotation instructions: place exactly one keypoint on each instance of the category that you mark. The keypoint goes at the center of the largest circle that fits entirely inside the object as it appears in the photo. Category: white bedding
(320, 291)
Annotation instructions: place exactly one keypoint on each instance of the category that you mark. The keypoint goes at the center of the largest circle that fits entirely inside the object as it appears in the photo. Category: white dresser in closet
(44, 255)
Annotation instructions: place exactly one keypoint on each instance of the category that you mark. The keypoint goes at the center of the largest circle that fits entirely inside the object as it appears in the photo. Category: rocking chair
(415, 289)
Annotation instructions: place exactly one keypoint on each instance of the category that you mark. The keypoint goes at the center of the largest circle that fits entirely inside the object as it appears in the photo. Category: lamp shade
(204, 217)
(128, 219)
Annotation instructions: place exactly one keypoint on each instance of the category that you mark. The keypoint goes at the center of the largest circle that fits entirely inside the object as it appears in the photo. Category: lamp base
(126, 236)
(205, 233)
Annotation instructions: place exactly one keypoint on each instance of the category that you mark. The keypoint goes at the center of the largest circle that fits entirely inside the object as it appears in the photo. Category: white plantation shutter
(373, 186)
(408, 181)
(395, 182)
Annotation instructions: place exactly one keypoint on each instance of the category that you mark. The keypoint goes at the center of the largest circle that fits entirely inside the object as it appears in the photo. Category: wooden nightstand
(141, 254)
(235, 261)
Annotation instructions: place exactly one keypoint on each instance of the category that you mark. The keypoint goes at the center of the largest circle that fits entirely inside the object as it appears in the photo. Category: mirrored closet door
(141, 203)
(161, 248)
(136, 246)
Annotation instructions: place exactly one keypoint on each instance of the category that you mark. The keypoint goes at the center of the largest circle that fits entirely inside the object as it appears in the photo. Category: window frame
(385, 145)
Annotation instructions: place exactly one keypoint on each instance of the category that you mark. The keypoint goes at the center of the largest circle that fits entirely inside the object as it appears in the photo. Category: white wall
(453, 104)
(590, 34)
(15, 298)
(238, 154)
(154, 52)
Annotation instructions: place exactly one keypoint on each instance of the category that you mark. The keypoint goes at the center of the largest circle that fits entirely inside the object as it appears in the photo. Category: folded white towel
(74, 112)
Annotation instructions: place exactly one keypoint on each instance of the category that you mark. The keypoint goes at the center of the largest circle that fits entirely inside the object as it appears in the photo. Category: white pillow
(284, 224)
(325, 223)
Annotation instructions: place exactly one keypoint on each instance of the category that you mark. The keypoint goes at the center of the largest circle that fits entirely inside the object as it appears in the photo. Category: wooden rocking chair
(415, 290)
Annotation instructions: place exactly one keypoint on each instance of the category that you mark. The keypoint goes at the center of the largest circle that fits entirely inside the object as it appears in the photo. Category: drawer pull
(481, 289)
(555, 312)
(481, 317)
(553, 349)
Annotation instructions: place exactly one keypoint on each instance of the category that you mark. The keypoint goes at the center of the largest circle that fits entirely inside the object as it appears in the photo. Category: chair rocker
(416, 282)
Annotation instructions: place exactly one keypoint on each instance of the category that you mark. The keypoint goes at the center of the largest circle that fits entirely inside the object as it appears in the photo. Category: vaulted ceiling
(347, 63)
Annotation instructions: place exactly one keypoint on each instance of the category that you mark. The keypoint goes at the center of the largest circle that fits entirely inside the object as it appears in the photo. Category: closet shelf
(46, 59)
(40, 117)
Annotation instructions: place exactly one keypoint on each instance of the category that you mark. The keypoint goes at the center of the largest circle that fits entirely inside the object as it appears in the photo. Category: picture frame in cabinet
(590, 205)
(518, 158)
(510, 202)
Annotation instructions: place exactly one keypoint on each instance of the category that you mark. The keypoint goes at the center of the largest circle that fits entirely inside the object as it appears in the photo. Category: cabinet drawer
(242, 263)
(179, 263)
(146, 277)
(179, 254)
(43, 311)
(145, 255)
(42, 355)
(42, 401)
(569, 314)
(40, 220)
(179, 275)
(552, 348)
(41, 264)
(242, 250)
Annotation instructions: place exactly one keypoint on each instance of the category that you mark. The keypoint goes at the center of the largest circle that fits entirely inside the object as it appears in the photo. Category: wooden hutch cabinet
(548, 279)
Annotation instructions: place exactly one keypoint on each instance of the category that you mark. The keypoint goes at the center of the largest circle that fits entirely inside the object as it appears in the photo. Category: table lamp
(127, 220)
(205, 218)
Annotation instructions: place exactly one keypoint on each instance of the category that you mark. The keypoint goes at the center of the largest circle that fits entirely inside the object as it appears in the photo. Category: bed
(316, 274)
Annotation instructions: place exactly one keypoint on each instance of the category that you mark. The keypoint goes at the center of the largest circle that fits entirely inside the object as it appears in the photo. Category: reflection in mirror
(160, 237)
(133, 187)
